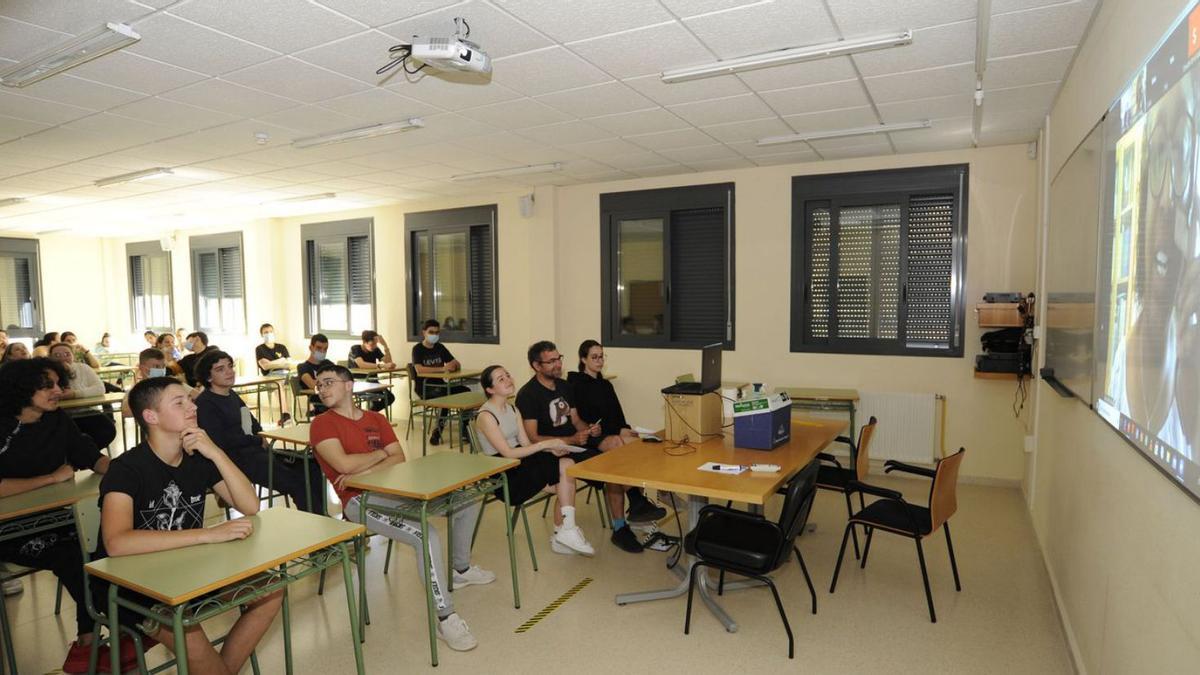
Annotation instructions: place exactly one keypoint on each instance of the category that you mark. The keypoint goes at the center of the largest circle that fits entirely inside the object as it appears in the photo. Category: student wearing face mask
(151, 363)
(272, 357)
(431, 356)
(197, 344)
(318, 350)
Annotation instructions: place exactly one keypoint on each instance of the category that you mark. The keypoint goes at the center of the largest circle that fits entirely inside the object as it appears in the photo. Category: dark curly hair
(21, 379)
(203, 369)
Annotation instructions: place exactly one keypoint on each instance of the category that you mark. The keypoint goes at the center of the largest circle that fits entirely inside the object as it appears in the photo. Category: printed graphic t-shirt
(551, 408)
(369, 433)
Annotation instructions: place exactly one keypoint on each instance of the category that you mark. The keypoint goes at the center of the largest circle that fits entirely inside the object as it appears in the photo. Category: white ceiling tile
(747, 131)
(339, 169)
(1036, 97)
(686, 8)
(310, 120)
(662, 93)
(72, 17)
(453, 95)
(1026, 69)
(699, 153)
(722, 164)
(37, 110)
(931, 48)
(137, 73)
(516, 114)
(817, 97)
(793, 157)
(81, 93)
(235, 165)
(643, 51)
(1005, 6)
(720, 111)
(922, 83)
(613, 149)
(877, 149)
(567, 20)
(639, 159)
(927, 108)
(172, 114)
(283, 25)
(379, 12)
(763, 27)
(753, 151)
(230, 98)
(601, 99)
(130, 132)
(1038, 29)
(857, 18)
(494, 31)
(662, 170)
(945, 134)
(357, 56)
(443, 127)
(565, 133)
(1012, 120)
(19, 41)
(378, 105)
(829, 144)
(173, 40)
(832, 119)
(800, 74)
(296, 79)
(11, 127)
(294, 176)
(639, 122)
(681, 138)
(63, 144)
(1008, 137)
(544, 71)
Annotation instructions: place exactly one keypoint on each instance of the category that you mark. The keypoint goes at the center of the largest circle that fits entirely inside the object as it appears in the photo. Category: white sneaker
(573, 539)
(559, 548)
(475, 575)
(13, 587)
(454, 632)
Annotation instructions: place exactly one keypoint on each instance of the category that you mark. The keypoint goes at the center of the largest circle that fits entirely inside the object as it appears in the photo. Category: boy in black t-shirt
(197, 344)
(152, 499)
(431, 356)
(271, 356)
(306, 371)
(41, 446)
(369, 355)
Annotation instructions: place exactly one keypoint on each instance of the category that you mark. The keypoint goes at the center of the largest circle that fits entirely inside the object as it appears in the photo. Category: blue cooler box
(762, 423)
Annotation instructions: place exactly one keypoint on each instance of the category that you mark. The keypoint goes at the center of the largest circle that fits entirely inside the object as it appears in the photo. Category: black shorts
(525, 480)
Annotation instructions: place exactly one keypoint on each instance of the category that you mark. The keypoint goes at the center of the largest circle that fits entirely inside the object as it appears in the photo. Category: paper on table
(732, 469)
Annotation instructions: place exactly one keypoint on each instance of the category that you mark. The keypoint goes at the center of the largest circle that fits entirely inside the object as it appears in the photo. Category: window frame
(29, 249)
(862, 188)
(149, 248)
(213, 243)
(659, 204)
(333, 231)
(448, 221)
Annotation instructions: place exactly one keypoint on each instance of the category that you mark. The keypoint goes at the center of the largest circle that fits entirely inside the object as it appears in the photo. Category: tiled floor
(1002, 621)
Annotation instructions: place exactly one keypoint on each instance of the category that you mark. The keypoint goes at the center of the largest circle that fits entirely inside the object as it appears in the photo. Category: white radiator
(908, 428)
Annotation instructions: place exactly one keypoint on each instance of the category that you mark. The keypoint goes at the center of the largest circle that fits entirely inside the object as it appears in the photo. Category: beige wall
(1118, 537)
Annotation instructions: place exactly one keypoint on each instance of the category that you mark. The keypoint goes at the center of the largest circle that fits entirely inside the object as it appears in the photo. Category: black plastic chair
(748, 544)
(893, 514)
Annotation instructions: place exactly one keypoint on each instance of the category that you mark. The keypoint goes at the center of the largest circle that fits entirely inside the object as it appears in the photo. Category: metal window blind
(482, 294)
(16, 293)
(696, 293)
(208, 289)
(868, 271)
(231, 272)
(930, 266)
(360, 270)
(820, 245)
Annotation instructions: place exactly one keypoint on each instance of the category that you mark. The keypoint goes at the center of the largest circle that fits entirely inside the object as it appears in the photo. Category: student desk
(39, 510)
(457, 407)
(647, 465)
(435, 485)
(257, 384)
(287, 545)
(389, 374)
(815, 398)
(362, 390)
(114, 372)
(94, 405)
(127, 358)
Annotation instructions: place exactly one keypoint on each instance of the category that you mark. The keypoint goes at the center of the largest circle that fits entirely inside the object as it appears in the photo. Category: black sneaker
(645, 511)
(626, 540)
(436, 437)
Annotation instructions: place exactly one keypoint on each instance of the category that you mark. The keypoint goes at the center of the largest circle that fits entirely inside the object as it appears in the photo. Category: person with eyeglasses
(428, 356)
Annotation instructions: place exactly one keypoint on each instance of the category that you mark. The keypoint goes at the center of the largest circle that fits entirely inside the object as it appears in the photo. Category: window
(217, 293)
(878, 261)
(149, 287)
(20, 292)
(667, 266)
(452, 273)
(339, 277)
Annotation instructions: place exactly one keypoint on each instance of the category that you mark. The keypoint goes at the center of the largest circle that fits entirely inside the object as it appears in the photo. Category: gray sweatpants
(409, 532)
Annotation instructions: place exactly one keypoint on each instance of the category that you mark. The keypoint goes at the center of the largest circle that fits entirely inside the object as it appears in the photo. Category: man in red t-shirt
(351, 441)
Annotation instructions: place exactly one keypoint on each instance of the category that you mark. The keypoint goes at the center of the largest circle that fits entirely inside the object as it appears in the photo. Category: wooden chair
(834, 477)
(891, 513)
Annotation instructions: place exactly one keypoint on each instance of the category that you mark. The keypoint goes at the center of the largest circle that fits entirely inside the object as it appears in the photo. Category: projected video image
(1148, 375)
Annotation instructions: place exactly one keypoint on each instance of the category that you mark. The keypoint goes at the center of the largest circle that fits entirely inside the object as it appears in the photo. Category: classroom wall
(1117, 536)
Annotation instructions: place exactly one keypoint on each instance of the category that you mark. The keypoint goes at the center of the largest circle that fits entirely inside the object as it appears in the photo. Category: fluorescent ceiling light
(305, 198)
(515, 171)
(136, 175)
(783, 57)
(361, 132)
(11, 201)
(89, 45)
(843, 133)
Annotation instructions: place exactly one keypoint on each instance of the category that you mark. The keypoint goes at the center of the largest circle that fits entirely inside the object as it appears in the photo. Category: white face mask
(433, 338)
(319, 356)
(268, 337)
(158, 372)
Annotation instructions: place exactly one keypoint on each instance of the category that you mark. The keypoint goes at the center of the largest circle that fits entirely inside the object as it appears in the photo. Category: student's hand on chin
(197, 440)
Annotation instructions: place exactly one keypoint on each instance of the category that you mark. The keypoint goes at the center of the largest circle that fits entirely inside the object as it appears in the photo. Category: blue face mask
(189, 345)
(318, 356)
(158, 372)
(433, 338)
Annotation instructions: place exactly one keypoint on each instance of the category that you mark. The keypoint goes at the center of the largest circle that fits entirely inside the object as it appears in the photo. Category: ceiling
(575, 81)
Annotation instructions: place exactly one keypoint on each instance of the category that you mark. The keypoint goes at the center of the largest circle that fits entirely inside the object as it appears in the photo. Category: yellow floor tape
(553, 606)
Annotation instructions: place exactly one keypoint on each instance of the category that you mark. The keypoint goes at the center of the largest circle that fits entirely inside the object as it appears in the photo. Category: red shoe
(77, 658)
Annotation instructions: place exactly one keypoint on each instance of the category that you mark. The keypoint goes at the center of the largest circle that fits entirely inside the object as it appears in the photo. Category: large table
(286, 545)
(435, 485)
(648, 465)
(817, 398)
(40, 510)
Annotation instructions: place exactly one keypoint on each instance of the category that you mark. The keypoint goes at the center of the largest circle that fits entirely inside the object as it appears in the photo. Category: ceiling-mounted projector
(451, 53)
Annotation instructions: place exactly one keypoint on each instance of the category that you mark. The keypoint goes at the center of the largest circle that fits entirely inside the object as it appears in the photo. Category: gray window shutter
(697, 290)
(930, 266)
(482, 285)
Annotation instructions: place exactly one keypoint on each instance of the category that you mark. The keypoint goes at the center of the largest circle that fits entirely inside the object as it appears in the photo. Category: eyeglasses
(550, 362)
(325, 384)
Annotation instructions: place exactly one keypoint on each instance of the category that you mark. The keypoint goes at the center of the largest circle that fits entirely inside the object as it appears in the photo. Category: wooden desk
(437, 485)
(457, 406)
(648, 465)
(257, 384)
(287, 545)
(40, 510)
(816, 398)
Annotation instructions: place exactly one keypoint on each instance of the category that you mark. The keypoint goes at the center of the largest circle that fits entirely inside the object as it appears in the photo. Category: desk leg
(181, 659)
(114, 632)
(853, 435)
(430, 613)
(271, 474)
(450, 551)
(360, 549)
(355, 628)
(512, 552)
(287, 631)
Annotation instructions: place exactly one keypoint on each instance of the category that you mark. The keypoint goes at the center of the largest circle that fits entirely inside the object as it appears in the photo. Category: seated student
(430, 355)
(180, 338)
(306, 371)
(225, 417)
(104, 346)
(598, 403)
(83, 382)
(369, 355)
(547, 407)
(150, 337)
(271, 356)
(349, 441)
(41, 446)
(196, 344)
(543, 465)
(151, 363)
(152, 499)
(15, 351)
(82, 355)
(165, 343)
(42, 347)
(3, 339)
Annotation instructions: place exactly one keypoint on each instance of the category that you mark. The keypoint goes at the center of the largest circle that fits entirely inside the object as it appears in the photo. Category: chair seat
(734, 545)
(892, 515)
(834, 477)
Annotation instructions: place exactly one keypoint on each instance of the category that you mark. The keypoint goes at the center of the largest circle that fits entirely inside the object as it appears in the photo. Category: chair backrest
(686, 377)
(943, 494)
(473, 436)
(862, 458)
(797, 504)
(411, 371)
(296, 384)
(87, 525)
